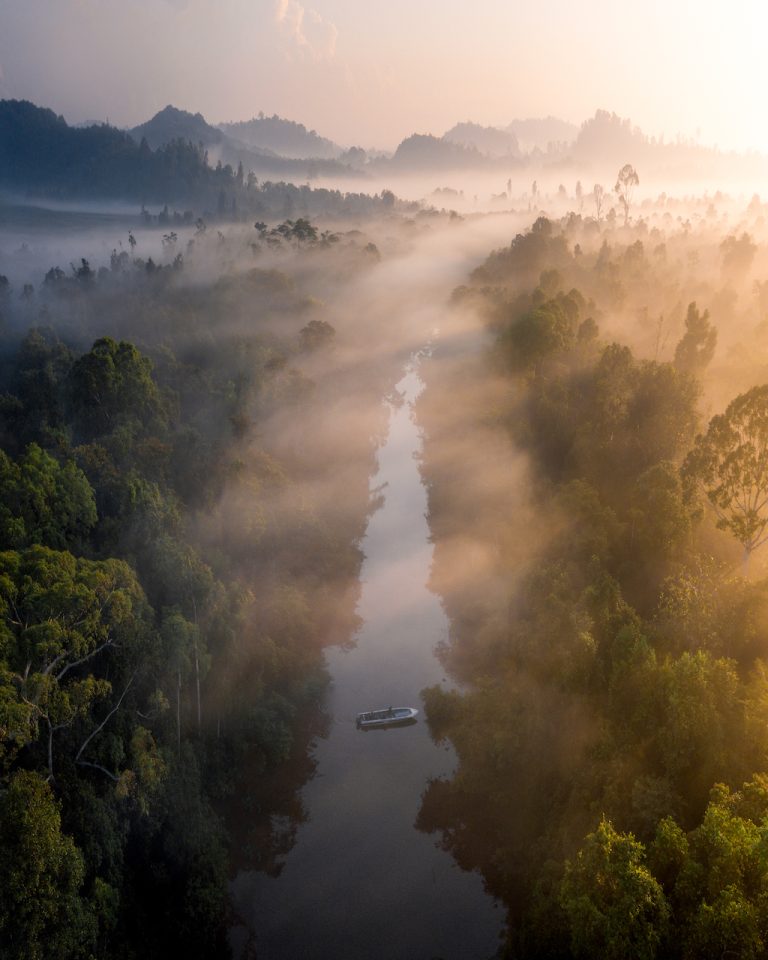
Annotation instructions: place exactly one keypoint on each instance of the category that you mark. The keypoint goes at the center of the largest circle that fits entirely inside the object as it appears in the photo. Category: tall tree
(697, 347)
(598, 192)
(626, 181)
(730, 464)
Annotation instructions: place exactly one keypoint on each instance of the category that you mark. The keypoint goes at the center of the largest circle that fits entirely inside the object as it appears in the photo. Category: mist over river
(361, 880)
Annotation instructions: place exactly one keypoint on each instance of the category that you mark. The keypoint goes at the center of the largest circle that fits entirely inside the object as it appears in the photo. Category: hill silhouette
(284, 137)
(490, 141)
(174, 124)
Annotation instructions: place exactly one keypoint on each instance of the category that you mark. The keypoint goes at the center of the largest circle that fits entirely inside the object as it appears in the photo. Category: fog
(446, 388)
(597, 659)
(372, 77)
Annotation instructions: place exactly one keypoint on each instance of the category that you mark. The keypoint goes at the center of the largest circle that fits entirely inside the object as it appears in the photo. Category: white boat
(389, 717)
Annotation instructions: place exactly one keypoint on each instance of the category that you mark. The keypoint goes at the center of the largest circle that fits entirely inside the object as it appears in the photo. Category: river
(361, 882)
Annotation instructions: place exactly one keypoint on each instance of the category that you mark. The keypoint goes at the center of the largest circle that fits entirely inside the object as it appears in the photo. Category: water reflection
(410, 722)
(267, 809)
(361, 880)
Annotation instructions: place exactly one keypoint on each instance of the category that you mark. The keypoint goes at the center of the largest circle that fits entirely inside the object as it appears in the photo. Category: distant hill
(610, 137)
(42, 156)
(41, 153)
(174, 124)
(284, 137)
(539, 132)
(425, 152)
(490, 141)
(607, 141)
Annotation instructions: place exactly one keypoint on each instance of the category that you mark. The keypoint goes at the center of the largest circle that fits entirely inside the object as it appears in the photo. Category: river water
(361, 882)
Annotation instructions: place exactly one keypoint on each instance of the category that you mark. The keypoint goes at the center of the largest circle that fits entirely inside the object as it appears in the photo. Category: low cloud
(308, 32)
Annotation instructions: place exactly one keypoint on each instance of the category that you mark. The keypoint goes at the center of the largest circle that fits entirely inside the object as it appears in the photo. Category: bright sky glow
(370, 73)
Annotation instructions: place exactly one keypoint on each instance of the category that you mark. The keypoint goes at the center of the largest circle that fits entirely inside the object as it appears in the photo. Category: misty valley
(382, 546)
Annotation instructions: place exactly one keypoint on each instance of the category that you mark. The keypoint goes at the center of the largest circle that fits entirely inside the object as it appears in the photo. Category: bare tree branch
(77, 663)
(97, 766)
(106, 719)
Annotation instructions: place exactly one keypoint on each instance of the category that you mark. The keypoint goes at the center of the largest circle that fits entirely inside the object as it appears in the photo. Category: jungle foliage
(612, 743)
(167, 582)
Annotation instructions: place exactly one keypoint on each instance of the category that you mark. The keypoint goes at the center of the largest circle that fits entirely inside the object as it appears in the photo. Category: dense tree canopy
(615, 665)
(167, 578)
(43, 502)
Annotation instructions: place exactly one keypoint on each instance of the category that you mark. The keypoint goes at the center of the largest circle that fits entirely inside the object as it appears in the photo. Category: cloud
(308, 32)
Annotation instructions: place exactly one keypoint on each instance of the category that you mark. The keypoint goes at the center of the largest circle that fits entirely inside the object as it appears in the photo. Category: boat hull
(392, 717)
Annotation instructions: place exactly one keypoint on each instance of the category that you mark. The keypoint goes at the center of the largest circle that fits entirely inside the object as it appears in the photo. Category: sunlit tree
(62, 619)
(615, 907)
(730, 464)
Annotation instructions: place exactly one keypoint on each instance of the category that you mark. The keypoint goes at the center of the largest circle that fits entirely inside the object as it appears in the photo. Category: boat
(390, 717)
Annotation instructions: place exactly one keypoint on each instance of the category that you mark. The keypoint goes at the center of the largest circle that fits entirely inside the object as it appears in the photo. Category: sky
(371, 72)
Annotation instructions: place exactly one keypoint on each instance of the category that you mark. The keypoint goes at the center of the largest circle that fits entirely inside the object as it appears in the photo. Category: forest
(43, 156)
(598, 498)
(175, 556)
(191, 430)
(383, 480)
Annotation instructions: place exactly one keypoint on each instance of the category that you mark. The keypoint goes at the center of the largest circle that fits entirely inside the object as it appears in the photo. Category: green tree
(660, 521)
(701, 607)
(730, 464)
(544, 332)
(637, 414)
(110, 382)
(615, 907)
(43, 502)
(42, 913)
(62, 617)
(729, 925)
(42, 364)
(698, 728)
(718, 893)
